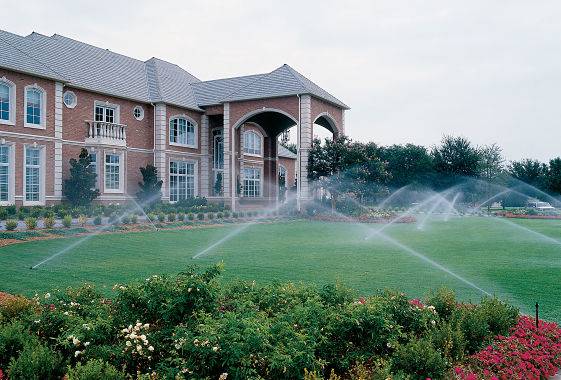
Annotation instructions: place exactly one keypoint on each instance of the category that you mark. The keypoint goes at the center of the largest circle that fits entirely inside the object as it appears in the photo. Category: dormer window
(252, 143)
(35, 107)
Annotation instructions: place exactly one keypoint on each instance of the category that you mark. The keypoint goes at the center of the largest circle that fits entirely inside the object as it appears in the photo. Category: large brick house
(58, 95)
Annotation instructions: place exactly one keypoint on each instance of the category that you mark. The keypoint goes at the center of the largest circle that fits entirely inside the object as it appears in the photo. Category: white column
(342, 131)
(160, 138)
(233, 179)
(227, 156)
(304, 146)
(58, 142)
(205, 157)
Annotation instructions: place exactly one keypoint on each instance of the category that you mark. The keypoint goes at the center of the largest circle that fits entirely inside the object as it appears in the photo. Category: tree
(531, 172)
(150, 189)
(492, 162)
(79, 189)
(554, 176)
(455, 159)
(407, 164)
(345, 167)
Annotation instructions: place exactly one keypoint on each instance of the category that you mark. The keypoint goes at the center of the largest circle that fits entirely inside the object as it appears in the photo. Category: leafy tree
(492, 162)
(531, 172)
(345, 167)
(554, 176)
(454, 159)
(408, 165)
(79, 188)
(150, 189)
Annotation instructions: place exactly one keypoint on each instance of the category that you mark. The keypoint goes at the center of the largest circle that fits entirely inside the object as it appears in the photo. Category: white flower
(138, 347)
(189, 290)
(47, 295)
(87, 344)
(214, 348)
(150, 348)
(65, 313)
(143, 337)
(128, 343)
(75, 341)
(223, 376)
(77, 353)
(433, 322)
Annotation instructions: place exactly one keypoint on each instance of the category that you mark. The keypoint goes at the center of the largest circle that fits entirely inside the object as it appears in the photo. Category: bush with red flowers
(527, 353)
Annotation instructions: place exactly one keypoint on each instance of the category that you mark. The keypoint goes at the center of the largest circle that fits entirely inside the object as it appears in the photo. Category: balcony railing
(101, 132)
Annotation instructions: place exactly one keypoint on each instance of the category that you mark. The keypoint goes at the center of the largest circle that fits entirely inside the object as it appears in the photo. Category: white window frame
(141, 109)
(11, 174)
(260, 139)
(215, 161)
(116, 110)
(68, 92)
(260, 171)
(195, 164)
(195, 144)
(12, 106)
(122, 166)
(42, 122)
(42, 165)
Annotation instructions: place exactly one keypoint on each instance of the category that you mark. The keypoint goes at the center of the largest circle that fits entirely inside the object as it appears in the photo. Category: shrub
(420, 359)
(67, 221)
(134, 219)
(15, 307)
(31, 223)
(210, 216)
(125, 219)
(191, 216)
(474, 327)
(226, 214)
(94, 370)
(200, 216)
(152, 217)
(161, 217)
(234, 215)
(21, 215)
(181, 217)
(49, 221)
(444, 302)
(13, 338)
(500, 316)
(36, 362)
(219, 215)
(11, 224)
(171, 217)
(3, 214)
(97, 220)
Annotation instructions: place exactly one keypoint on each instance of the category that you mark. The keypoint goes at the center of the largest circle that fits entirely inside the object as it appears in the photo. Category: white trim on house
(71, 93)
(141, 112)
(11, 173)
(261, 179)
(43, 110)
(42, 165)
(261, 140)
(195, 125)
(116, 110)
(13, 101)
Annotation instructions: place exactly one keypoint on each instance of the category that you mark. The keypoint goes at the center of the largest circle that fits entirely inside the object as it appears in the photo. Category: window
(69, 99)
(282, 176)
(32, 175)
(218, 151)
(112, 173)
(4, 173)
(94, 166)
(252, 143)
(181, 132)
(251, 182)
(34, 107)
(181, 180)
(5, 102)
(105, 113)
(138, 113)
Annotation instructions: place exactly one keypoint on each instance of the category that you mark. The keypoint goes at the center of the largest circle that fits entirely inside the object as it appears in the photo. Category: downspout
(299, 172)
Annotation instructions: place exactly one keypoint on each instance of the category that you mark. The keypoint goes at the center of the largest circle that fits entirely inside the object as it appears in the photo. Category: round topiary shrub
(161, 217)
(31, 223)
(191, 216)
(11, 224)
(134, 218)
(67, 221)
(181, 217)
(172, 217)
(200, 216)
(49, 221)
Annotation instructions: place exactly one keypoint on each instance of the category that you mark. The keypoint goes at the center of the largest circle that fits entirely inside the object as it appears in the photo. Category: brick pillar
(160, 138)
(205, 159)
(304, 146)
(58, 142)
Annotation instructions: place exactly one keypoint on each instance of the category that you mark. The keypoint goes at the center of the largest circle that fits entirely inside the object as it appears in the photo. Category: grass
(497, 255)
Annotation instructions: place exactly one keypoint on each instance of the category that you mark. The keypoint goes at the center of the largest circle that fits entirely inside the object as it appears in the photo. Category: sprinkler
(31, 268)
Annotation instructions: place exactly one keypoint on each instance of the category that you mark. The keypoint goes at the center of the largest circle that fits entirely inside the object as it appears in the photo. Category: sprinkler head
(31, 268)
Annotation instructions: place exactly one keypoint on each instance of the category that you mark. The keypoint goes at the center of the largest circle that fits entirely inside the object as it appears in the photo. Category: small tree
(218, 184)
(79, 189)
(150, 189)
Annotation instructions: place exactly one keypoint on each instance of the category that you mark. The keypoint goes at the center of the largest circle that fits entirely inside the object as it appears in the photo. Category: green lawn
(517, 265)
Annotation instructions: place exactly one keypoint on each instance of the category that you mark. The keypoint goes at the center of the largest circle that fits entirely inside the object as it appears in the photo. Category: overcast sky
(411, 71)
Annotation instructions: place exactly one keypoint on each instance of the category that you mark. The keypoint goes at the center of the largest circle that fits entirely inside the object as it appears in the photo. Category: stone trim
(204, 183)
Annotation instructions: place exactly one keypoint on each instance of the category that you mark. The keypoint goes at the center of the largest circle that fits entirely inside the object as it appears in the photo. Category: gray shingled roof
(100, 70)
(283, 152)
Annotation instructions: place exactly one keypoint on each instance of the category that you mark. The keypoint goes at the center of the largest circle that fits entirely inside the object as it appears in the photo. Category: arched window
(182, 131)
(252, 143)
(7, 101)
(34, 107)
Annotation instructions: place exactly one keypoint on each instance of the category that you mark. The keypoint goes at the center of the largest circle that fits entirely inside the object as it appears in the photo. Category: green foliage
(94, 370)
(11, 224)
(554, 176)
(14, 337)
(181, 217)
(161, 217)
(408, 165)
(454, 159)
(499, 315)
(49, 221)
(419, 359)
(444, 302)
(31, 223)
(36, 362)
(190, 216)
(3, 213)
(218, 185)
(97, 220)
(171, 217)
(200, 216)
(67, 221)
(79, 188)
(125, 219)
(150, 189)
(134, 218)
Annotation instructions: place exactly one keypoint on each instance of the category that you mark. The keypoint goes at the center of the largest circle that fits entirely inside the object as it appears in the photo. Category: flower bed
(529, 216)
(527, 353)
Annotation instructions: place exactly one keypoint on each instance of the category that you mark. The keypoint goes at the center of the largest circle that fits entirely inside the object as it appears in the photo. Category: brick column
(304, 146)
(205, 173)
(227, 155)
(160, 138)
(58, 142)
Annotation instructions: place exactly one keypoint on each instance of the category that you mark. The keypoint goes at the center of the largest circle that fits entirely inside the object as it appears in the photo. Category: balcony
(101, 132)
